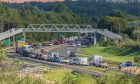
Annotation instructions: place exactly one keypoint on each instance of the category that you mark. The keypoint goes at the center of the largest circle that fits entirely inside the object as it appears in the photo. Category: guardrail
(33, 70)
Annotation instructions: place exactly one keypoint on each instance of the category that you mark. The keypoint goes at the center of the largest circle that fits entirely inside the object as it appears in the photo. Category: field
(112, 54)
(56, 74)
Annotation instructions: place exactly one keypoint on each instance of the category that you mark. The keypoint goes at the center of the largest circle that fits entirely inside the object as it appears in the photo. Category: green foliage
(59, 8)
(3, 55)
(29, 80)
(12, 78)
(28, 14)
(118, 13)
(105, 42)
(136, 33)
(134, 45)
(56, 74)
(69, 78)
(112, 54)
(114, 24)
(136, 79)
(112, 78)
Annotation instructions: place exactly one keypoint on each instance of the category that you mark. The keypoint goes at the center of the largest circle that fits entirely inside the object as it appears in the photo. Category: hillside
(101, 15)
(22, 1)
(113, 54)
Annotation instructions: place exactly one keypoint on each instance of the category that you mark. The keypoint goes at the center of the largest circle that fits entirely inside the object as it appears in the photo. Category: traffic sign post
(61, 35)
(19, 37)
(7, 42)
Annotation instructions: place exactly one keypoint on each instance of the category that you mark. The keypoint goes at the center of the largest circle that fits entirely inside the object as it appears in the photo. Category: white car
(73, 44)
(78, 44)
(50, 43)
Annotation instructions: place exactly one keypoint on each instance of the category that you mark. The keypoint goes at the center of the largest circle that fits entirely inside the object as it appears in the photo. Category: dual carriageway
(59, 28)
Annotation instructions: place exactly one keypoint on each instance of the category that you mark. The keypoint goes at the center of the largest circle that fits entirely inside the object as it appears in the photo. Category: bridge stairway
(109, 34)
(10, 33)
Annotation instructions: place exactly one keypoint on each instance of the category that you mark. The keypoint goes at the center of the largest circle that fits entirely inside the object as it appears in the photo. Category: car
(72, 54)
(126, 64)
(73, 44)
(78, 44)
(50, 43)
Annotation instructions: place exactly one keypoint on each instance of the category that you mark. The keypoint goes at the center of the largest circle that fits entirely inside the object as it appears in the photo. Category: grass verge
(112, 54)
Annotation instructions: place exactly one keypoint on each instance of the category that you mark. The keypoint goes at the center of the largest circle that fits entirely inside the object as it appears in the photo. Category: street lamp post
(119, 28)
(138, 35)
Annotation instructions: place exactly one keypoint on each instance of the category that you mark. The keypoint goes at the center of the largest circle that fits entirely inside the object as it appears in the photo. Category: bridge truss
(59, 28)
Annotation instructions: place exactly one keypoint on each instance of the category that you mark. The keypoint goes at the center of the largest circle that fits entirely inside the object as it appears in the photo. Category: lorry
(95, 60)
(19, 45)
(78, 61)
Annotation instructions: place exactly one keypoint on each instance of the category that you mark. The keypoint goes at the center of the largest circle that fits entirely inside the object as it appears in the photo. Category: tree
(136, 33)
(114, 24)
(118, 13)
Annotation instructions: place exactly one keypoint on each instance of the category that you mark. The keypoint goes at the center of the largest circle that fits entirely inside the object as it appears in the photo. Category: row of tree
(114, 17)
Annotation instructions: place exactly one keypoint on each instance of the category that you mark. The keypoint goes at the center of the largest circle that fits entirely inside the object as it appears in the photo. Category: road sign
(7, 42)
(62, 35)
(19, 37)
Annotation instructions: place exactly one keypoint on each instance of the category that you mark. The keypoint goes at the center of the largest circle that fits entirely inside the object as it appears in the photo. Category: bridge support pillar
(95, 40)
(105, 38)
(24, 34)
(14, 40)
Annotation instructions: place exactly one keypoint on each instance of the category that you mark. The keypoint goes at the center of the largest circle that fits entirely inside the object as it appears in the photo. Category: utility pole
(24, 35)
(95, 39)
(138, 35)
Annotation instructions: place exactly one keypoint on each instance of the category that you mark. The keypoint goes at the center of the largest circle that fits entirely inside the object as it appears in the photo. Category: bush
(108, 42)
(133, 45)
(136, 79)
(3, 55)
(69, 78)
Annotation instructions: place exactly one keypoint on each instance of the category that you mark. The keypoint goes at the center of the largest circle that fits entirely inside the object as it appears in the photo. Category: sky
(21, 1)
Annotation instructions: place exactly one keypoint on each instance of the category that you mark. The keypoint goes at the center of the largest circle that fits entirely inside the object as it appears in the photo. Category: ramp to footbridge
(59, 28)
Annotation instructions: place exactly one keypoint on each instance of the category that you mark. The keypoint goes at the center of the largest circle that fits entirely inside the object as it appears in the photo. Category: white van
(78, 61)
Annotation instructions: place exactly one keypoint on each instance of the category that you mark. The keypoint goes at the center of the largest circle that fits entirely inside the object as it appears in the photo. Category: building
(110, 1)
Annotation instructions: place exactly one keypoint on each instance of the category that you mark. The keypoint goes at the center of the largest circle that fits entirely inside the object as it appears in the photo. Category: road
(64, 51)
(77, 69)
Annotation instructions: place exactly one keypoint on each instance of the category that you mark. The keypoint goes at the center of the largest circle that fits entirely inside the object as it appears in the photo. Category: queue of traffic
(40, 52)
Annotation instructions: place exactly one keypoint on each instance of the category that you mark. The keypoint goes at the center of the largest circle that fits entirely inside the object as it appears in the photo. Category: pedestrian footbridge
(59, 28)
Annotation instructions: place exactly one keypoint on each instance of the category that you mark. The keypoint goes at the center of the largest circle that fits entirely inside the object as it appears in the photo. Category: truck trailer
(96, 60)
